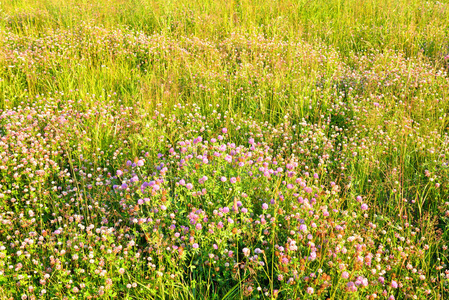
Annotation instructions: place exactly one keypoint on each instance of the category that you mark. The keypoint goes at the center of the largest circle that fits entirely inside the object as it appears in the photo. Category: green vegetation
(224, 149)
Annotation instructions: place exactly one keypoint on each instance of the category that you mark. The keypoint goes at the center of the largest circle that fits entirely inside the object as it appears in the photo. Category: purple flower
(198, 226)
(394, 284)
(264, 206)
(362, 281)
(119, 173)
(351, 286)
(312, 255)
(364, 206)
(202, 179)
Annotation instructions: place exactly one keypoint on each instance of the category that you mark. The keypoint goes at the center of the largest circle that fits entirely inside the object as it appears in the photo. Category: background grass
(356, 90)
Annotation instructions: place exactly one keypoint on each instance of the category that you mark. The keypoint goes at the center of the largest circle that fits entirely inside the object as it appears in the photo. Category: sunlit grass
(224, 149)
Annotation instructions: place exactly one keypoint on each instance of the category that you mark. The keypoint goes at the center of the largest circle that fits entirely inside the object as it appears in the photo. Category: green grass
(354, 91)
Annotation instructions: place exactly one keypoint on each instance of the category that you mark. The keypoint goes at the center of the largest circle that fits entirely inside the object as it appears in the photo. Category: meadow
(224, 149)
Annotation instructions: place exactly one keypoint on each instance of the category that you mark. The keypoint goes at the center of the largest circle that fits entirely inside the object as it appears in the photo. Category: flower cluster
(194, 153)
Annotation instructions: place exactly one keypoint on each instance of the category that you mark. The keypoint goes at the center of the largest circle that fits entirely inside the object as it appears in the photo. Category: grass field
(212, 149)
